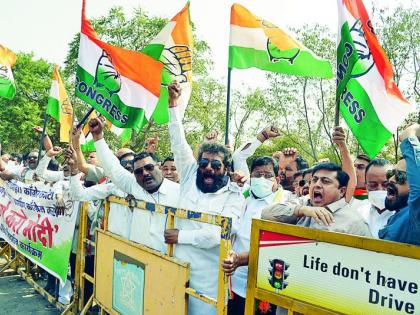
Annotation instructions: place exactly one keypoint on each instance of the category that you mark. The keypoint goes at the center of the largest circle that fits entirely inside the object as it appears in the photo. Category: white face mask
(377, 198)
(261, 187)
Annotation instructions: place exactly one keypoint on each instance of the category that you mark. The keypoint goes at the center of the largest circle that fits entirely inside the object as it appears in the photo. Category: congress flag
(122, 85)
(59, 106)
(255, 42)
(370, 101)
(7, 82)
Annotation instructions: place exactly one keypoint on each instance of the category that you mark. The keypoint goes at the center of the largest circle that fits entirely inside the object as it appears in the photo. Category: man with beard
(147, 184)
(204, 187)
(119, 219)
(403, 192)
(373, 210)
(169, 169)
(326, 208)
(289, 163)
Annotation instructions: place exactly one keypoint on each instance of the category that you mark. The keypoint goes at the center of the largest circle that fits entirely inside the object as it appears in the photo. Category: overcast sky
(47, 26)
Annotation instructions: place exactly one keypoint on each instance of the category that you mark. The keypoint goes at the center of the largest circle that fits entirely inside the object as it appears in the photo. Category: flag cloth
(86, 140)
(175, 44)
(123, 85)
(59, 106)
(7, 82)
(255, 42)
(370, 101)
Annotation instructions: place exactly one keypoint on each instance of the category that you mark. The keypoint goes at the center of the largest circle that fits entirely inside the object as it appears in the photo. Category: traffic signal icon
(278, 274)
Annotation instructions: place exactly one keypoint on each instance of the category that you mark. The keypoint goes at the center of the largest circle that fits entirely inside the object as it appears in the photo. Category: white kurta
(147, 228)
(373, 218)
(47, 175)
(198, 243)
(119, 219)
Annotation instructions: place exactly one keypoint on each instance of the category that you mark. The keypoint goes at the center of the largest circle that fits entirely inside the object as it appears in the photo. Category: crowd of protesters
(370, 198)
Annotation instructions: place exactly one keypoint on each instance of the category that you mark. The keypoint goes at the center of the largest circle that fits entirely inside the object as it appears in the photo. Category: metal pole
(85, 118)
(227, 108)
(41, 144)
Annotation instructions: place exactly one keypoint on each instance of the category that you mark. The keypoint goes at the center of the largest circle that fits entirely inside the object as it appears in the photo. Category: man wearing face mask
(374, 211)
(264, 190)
(403, 192)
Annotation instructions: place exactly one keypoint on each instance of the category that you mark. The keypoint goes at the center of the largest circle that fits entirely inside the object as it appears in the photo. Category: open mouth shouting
(317, 197)
(391, 192)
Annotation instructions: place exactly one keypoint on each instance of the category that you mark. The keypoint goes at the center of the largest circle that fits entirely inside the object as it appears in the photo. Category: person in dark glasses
(145, 183)
(403, 191)
(204, 187)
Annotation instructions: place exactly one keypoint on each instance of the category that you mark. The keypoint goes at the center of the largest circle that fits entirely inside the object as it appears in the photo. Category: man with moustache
(147, 183)
(373, 210)
(169, 169)
(22, 173)
(403, 192)
(326, 208)
(204, 187)
(289, 163)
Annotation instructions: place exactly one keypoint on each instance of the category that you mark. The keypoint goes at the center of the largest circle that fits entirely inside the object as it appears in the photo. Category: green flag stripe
(346, 58)
(7, 88)
(304, 64)
(53, 108)
(360, 115)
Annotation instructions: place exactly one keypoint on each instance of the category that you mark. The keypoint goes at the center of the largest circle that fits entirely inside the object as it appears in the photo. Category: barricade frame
(225, 224)
(294, 305)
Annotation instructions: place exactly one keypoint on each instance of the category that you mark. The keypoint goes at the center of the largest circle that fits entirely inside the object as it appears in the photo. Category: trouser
(89, 269)
(236, 306)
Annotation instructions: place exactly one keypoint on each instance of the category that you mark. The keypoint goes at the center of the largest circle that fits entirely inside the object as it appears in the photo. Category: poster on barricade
(30, 223)
(339, 278)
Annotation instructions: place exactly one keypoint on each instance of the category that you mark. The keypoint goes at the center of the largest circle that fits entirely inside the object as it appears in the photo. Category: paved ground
(18, 297)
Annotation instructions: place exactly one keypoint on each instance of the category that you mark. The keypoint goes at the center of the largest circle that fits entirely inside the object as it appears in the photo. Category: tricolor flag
(370, 101)
(176, 38)
(255, 42)
(7, 82)
(59, 106)
(123, 85)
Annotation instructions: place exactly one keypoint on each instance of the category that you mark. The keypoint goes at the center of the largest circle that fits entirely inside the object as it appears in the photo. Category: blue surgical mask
(261, 187)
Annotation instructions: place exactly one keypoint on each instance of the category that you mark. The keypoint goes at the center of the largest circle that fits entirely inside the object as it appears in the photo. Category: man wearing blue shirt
(403, 192)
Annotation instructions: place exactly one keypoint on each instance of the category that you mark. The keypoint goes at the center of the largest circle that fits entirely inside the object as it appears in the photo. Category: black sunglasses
(302, 182)
(400, 176)
(147, 167)
(124, 163)
(215, 164)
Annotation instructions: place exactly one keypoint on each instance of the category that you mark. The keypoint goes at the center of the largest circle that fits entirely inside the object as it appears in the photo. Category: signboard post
(307, 270)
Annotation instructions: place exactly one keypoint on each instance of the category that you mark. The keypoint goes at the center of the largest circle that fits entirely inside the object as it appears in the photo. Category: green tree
(27, 109)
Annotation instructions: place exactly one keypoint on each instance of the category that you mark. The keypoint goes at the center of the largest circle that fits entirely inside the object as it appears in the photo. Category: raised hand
(174, 90)
(54, 151)
(96, 127)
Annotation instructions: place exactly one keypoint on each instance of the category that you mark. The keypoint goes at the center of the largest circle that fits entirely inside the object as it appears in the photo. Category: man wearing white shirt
(119, 220)
(264, 190)
(147, 184)
(373, 210)
(204, 187)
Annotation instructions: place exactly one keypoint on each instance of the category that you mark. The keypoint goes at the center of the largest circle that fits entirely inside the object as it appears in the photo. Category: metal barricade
(224, 223)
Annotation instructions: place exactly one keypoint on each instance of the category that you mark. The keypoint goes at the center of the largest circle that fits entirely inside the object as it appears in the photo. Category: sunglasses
(400, 176)
(302, 182)
(124, 163)
(215, 164)
(147, 167)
